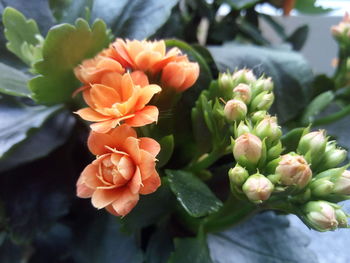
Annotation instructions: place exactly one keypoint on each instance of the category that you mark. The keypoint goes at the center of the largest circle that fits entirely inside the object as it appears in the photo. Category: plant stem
(333, 117)
(205, 161)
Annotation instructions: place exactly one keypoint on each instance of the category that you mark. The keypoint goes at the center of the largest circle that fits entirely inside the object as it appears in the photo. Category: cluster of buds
(341, 32)
(306, 182)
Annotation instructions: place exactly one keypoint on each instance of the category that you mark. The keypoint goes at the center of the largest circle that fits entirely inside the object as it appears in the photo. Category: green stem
(205, 161)
(333, 117)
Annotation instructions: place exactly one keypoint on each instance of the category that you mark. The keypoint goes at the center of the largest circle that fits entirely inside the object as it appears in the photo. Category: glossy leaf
(64, 48)
(19, 30)
(194, 195)
(13, 82)
(166, 150)
(291, 74)
(135, 19)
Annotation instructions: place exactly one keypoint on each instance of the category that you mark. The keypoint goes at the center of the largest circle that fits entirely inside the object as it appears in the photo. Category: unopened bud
(226, 82)
(258, 116)
(263, 101)
(294, 170)
(238, 175)
(342, 218)
(268, 128)
(321, 215)
(313, 143)
(262, 84)
(241, 129)
(247, 149)
(343, 28)
(333, 156)
(322, 187)
(342, 184)
(244, 76)
(258, 188)
(275, 151)
(243, 92)
(235, 110)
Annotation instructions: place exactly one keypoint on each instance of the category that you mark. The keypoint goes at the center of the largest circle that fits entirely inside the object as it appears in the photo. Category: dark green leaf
(67, 11)
(265, 238)
(40, 143)
(322, 83)
(316, 106)
(241, 4)
(290, 72)
(251, 31)
(291, 139)
(298, 37)
(159, 246)
(194, 195)
(194, 250)
(18, 121)
(310, 7)
(167, 148)
(19, 30)
(133, 19)
(64, 48)
(13, 82)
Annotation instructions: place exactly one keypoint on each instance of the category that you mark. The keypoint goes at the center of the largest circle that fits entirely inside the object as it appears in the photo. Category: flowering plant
(166, 144)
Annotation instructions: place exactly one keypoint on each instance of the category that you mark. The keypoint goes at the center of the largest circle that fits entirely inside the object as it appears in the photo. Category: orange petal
(147, 164)
(131, 146)
(123, 132)
(135, 183)
(139, 78)
(82, 190)
(127, 87)
(103, 96)
(113, 80)
(103, 197)
(126, 167)
(173, 75)
(104, 126)
(145, 116)
(145, 95)
(87, 97)
(151, 184)
(110, 65)
(111, 210)
(125, 202)
(89, 176)
(146, 59)
(121, 53)
(97, 143)
(91, 115)
(192, 73)
(149, 145)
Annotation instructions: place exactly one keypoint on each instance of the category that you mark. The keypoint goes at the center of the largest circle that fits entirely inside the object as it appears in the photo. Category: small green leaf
(18, 121)
(64, 48)
(291, 139)
(316, 106)
(298, 37)
(18, 31)
(13, 82)
(166, 150)
(194, 195)
(194, 250)
(310, 7)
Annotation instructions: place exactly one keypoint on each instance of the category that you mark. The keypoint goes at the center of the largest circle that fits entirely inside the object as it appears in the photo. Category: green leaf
(54, 132)
(166, 150)
(291, 74)
(291, 139)
(194, 195)
(68, 11)
(310, 7)
(133, 19)
(19, 30)
(316, 106)
(194, 250)
(298, 37)
(241, 4)
(18, 121)
(64, 48)
(265, 238)
(13, 82)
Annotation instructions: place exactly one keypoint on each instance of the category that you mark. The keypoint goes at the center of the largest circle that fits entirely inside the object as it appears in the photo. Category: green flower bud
(235, 110)
(243, 92)
(321, 215)
(342, 30)
(333, 156)
(275, 151)
(322, 187)
(294, 170)
(263, 101)
(238, 175)
(258, 116)
(258, 188)
(269, 129)
(247, 149)
(226, 81)
(313, 143)
(244, 76)
(342, 184)
(241, 129)
(342, 218)
(262, 84)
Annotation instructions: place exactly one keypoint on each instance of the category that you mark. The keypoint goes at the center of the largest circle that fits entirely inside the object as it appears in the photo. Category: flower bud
(258, 188)
(294, 170)
(268, 128)
(226, 81)
(238, 175)
(275, 151)
(262, 84)
(247, 149)
(342, 218)
(241, 129)
(263, 101)
(313, 143)
(244, 76)
(243, 92)
(321, 215)
(333, 156)
(321, 187)
(343, 28)
(258, 116)
(342, 184)
(235, 110)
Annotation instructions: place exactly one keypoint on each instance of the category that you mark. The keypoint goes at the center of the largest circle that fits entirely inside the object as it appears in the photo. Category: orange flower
(118, 99)
(123, 169)
(180, 74)
(143, 55)
(92, 70)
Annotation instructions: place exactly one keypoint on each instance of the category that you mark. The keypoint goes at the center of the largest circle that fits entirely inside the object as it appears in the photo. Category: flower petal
(97, 142)
(145, 95)
(135, 183)
(103, 197)
(139, 78)
(145, 116)
(89, 114)
(103, 96)
(89, 176)
(83, 191)
(131, 146)
(151, 184)
(126, 167)
(125, 202)
(104, 126)
(149, 145)
(147, 164)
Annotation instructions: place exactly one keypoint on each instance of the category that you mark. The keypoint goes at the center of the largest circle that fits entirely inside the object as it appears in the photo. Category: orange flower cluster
(118, 85)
